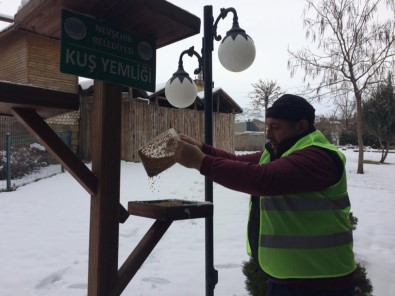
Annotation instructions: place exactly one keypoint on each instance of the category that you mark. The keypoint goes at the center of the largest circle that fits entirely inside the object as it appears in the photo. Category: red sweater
(306, 170)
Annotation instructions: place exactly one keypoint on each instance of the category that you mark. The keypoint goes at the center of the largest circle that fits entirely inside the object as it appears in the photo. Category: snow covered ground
(44, 228)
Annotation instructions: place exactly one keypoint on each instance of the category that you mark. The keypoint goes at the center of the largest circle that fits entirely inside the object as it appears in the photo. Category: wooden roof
(222, 102)
(157, 19)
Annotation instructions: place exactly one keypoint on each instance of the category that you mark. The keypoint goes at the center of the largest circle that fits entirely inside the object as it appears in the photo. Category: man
(299, 232)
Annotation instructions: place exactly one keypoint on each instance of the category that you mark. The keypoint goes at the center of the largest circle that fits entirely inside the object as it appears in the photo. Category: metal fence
(22, 159)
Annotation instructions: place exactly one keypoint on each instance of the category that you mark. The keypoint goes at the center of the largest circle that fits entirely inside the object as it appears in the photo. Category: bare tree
(264, 92)
(355, 48)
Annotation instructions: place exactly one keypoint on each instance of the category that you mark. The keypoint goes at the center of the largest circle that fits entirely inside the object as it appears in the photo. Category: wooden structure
(144, 116)
(157, 19)
(32, 59)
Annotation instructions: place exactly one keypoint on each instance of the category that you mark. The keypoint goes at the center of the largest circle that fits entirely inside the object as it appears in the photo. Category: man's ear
(302, 126)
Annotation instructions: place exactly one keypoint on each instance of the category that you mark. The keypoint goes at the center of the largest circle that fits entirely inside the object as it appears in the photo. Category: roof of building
(159, 20)
(222, 102)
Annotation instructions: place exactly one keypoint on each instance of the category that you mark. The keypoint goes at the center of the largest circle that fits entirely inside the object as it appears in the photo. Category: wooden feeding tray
(171, 209)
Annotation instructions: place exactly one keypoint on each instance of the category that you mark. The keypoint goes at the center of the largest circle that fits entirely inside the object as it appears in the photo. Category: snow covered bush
(24, 160)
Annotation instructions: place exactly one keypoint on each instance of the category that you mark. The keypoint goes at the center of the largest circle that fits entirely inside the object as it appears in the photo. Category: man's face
(278, 130)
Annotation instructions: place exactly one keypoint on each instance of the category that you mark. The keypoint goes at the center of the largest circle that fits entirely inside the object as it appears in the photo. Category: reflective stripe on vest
(306, 242)
(303, 204)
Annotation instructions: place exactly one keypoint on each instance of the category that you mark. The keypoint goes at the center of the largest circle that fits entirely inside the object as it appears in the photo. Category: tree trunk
(387, 150)
(359, 134)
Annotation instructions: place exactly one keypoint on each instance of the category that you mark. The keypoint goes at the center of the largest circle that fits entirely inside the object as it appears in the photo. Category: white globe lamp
(237, 50)
(181, 90)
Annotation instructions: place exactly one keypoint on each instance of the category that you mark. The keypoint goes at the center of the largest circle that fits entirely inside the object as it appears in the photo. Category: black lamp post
(236, 53)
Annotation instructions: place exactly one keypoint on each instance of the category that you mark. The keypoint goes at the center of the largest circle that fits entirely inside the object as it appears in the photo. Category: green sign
(97, 50)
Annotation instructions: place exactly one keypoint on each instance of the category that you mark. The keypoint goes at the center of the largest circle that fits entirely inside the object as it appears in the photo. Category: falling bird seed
(152, 183)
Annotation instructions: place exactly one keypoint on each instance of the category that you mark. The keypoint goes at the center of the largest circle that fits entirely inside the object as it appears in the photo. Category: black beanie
(291, 107)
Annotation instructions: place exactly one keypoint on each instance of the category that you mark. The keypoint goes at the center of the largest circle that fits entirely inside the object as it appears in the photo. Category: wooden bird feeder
(171, 209)
(32, 88)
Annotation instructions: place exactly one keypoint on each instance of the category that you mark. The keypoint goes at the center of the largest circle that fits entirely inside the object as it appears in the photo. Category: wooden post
(106, 162)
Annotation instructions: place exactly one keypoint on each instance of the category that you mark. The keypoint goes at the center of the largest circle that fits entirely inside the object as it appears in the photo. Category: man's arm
(210, 150)
(307, 170)
(247, 157)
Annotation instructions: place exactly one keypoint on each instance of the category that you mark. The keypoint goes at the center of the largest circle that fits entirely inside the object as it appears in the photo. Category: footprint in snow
(51, 279)
(81, 286)
(156, 280)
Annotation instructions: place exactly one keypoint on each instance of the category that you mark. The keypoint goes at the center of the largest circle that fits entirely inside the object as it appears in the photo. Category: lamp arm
(191, 52)
(223, 14)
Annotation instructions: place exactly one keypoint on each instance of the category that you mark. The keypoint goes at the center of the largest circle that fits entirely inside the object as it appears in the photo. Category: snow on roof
(23, 3)
(200, 94)
(86, 83)
(6, 18)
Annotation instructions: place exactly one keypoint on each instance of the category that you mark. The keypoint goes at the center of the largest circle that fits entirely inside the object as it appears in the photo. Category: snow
(6, 16)
(85, 83)
(44, 230)
(23, 3)
(37, 146)
(44, 172)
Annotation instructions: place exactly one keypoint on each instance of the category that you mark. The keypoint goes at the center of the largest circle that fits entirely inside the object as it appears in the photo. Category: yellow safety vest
(306, 235)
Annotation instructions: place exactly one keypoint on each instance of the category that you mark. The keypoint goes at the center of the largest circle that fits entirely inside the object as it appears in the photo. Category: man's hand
(192, 141)
(189, 155)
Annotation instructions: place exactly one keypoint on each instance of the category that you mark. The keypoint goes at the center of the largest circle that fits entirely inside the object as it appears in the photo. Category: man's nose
(269, 133)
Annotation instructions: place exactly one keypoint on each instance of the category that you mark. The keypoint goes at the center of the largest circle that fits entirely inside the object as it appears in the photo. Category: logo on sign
(145, 50)
(75, 28)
